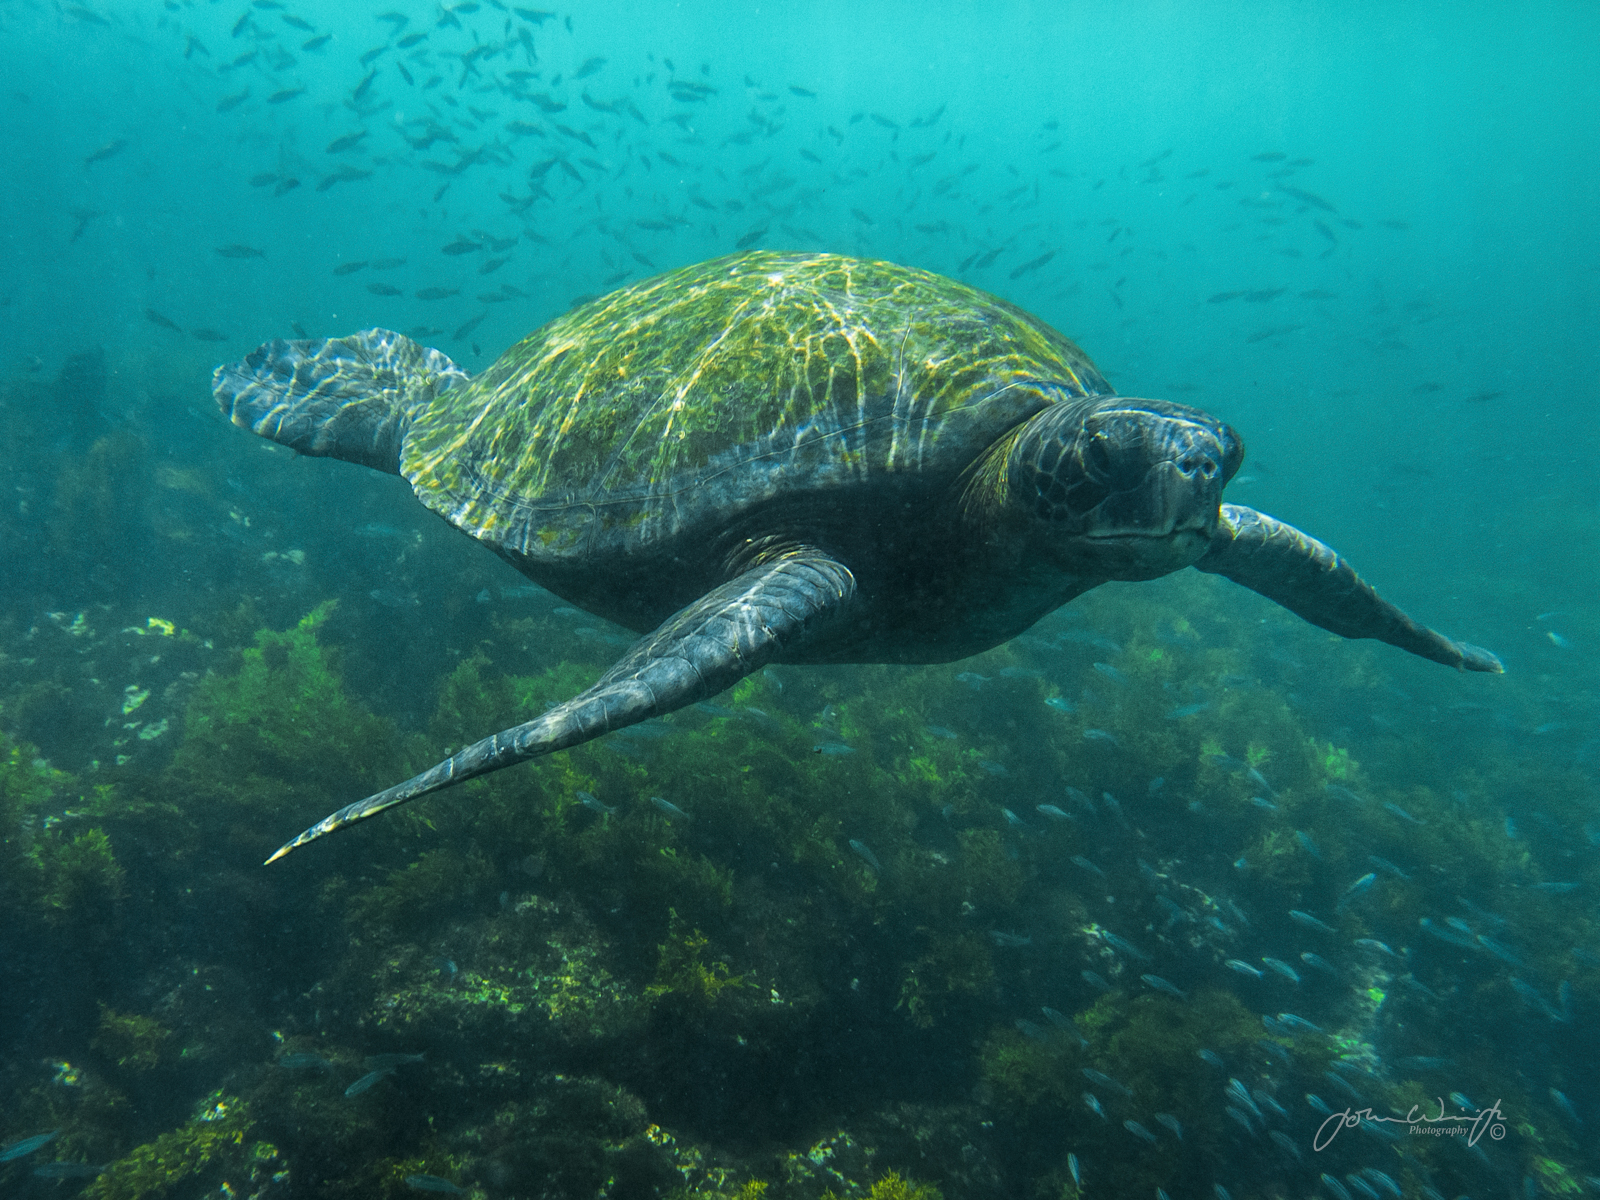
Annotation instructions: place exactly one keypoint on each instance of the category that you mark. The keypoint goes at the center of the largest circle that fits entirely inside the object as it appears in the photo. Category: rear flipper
(732, 631)
(349, 398)
(1312, 581)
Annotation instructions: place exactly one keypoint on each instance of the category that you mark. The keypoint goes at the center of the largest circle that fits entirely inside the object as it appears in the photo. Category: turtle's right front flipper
(349, 397)
(1311, 580)
(732, 631)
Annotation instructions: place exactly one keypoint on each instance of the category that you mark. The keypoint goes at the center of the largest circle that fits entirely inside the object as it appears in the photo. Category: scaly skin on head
(1110, 486)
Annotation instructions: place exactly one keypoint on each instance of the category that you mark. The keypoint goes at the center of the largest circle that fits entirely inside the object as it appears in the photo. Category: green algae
(682, 972)
(132, 1041)
(282, 720)
(70, 880)
(955, 971)
(513, 932)
(440, 883)
(81, 876)
(538, 972)
(213, 1145)
(892, 1186)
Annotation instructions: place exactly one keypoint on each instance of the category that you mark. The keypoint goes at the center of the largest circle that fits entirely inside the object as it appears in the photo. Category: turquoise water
(1363, 237)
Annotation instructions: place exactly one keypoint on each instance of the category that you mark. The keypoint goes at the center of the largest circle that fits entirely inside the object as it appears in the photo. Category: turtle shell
(678, 403)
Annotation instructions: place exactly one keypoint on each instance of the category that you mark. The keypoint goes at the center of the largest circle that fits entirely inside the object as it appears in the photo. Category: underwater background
(1134, 905)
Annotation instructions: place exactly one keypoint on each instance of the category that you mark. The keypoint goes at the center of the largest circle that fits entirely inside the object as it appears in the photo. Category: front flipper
(351, 398)
(732, 631)
(1312, 581)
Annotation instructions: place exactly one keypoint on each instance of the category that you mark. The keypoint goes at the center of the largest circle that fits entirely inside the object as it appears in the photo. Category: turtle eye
(1099, 454)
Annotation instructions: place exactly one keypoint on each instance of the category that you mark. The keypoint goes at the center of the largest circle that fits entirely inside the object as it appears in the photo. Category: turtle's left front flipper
(730, 632)
(1312, 581)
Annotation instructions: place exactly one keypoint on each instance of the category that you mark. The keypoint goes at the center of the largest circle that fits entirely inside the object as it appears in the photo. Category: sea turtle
(797, 458)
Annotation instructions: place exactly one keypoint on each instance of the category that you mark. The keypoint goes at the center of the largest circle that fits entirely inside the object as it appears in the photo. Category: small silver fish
(1299, 1023)
(1104, 1080)
(670, 809)
(1001, 938)
(866, 855)
(1310, 922)
(367, 1080)
(70, 1170)
(1239, 1092)
(1384, 865)
(1283, 968)
(591, 803)
(1362, 884)
(1161, 985)
(27, 1145)
(1139, 1131)
(1285, 1143)
(1123, 944)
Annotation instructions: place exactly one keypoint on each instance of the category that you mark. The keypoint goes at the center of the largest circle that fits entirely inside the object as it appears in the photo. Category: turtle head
(1129, 489)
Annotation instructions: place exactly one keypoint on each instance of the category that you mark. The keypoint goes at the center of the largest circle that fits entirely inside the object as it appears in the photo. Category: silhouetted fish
(106, 151)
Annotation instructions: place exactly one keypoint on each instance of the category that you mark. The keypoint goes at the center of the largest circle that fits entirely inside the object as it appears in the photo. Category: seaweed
(212, 1145)
(682, 972)
(440, 883)
(282, 721)
(82, 878)
(891, 1186)
(133, 1042)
